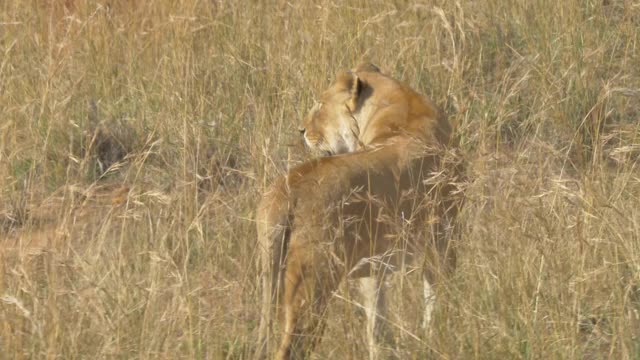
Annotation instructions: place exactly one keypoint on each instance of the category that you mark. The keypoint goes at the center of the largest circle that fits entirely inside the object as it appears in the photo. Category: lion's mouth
(316, 147)
(320, 152)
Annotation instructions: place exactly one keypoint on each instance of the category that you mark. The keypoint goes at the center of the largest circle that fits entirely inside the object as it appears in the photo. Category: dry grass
(136, 138)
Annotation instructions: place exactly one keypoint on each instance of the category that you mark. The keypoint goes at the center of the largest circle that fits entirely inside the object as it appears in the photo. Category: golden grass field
(137, 137)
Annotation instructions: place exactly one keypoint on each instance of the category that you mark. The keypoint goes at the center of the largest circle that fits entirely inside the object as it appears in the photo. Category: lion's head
(330, 128)
(364, 107)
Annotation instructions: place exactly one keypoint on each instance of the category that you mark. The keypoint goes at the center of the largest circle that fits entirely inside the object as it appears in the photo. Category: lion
(381, 195)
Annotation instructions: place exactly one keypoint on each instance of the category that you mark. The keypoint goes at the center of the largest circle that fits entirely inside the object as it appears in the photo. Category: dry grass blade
(126, 225)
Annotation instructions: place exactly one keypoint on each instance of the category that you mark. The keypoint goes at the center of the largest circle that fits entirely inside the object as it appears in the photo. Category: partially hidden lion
(383, 195)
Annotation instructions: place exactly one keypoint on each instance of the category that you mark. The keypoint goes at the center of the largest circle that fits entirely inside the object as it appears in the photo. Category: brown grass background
(136, 138)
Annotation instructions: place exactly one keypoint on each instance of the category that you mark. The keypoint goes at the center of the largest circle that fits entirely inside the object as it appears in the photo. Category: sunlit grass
(136, 138)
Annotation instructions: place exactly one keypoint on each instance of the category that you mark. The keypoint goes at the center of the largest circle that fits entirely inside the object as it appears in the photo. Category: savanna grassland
(136, 138)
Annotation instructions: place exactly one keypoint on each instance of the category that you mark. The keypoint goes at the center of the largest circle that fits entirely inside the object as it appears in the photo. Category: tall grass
(136, 138)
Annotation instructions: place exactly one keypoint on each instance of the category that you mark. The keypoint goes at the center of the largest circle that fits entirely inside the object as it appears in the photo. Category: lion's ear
(349, 81)
(356, 90)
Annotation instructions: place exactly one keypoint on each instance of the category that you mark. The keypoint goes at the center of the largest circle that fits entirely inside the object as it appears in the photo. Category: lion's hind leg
(273, 236)
(372, 290)
(310, 278)
(438, 268)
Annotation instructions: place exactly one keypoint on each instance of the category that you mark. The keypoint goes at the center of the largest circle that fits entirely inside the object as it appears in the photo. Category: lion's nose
(302, 130)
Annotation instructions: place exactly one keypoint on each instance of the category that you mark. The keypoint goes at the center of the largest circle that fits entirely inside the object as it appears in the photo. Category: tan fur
(375, 202)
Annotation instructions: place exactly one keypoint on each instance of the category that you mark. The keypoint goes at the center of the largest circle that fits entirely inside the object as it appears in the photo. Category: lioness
(380, 197)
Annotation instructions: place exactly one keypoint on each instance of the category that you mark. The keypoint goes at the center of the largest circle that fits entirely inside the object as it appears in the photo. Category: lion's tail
(273, 218)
